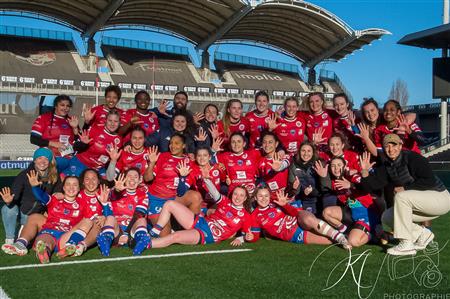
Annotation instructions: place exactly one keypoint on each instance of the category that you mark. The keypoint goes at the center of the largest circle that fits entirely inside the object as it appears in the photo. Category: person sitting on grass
(287, 223)
(127, 199)
(67, 223)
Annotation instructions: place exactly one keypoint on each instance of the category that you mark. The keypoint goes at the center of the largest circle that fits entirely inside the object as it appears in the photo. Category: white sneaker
(15, 249)
(405, 247)
(424, 239)
(80, 249)
(342, 240)
(9, 241)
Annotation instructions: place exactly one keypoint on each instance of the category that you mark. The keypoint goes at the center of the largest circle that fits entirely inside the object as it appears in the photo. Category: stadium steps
(437, 147)
(13, 146)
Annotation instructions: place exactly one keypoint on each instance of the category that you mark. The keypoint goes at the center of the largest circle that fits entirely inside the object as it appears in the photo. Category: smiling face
(336, 146)
(237, 144)
(137, 140)
(211, 114)
(111, 99)
(180, 101)
(112, 122)
(263, 197)
(269, 144)
(306, 153)
(41, 164)
(142, 101)
(291, 108)
(315, 104)
(202, 157)
(390, 113)
(133, 179)
(235, 110)
(176, 146)
(337, 167)
(90, 182)
(239, 196)
(371, 113)
(341, 106)
(71, 187)
(62, 108)
(262, 104)
(392, 150)
(179, 123)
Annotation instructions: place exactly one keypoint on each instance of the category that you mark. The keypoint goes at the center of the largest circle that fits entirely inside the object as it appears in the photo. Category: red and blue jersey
(52, 127)
(278, 222)
(216, 174)
(91, 201)
(227, 220)
(166, 176)
(258, 123)
(123, 204)
(242, 126)
(275, 180)
(129, 160)
(408, 142)
(241, 168)
(291, 133)
(96, 156)
(351, 159)
(101, 112)
(63, 215)
(149, 122)
(315, 121)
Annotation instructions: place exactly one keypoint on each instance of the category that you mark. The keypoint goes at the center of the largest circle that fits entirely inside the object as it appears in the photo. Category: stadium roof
(302, 30)
(433, 38)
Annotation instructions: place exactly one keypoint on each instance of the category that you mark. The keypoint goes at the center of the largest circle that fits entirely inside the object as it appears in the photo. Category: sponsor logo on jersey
(229, 215)
(64, 126)
(66, 212)
(271, 215)
(240, 162)
(292, 132)
(146, 126)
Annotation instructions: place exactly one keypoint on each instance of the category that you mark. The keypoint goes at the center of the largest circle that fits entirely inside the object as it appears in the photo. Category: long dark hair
(56, 101)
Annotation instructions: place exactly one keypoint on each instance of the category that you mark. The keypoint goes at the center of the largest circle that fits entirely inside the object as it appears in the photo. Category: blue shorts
(299, 236)
(202, 227)
(155, 205)
(296, 204)
(363, 216)
(56, 235)
(74, 167)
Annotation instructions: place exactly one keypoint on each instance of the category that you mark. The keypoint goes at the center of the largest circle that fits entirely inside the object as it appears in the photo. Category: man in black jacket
(418, 194)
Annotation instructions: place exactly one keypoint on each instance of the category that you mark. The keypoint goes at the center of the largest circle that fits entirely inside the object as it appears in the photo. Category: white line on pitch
(126, 258)
(3, 294)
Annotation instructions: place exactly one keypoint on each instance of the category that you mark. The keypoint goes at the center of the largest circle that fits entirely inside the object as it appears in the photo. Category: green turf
(9, 172)
(273, 269)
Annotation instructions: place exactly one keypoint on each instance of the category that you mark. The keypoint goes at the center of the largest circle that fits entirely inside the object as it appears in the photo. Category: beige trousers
(414, 206)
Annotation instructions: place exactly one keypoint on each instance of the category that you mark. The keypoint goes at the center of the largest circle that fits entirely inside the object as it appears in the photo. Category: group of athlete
(148, 178)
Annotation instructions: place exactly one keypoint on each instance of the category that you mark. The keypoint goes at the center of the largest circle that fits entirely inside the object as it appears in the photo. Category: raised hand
(135, 120)
(318, 136)
(104, 194)
(33, 178)
(88, 114)
(6, 195)
(276, 162)
(114, 152)
(272, 122)
(320, 169)
(351, 118)
(296, 183)
(342, 184)
(84, 137)
(183, 168)
(282, 198)
(162, 108)
(198, 116)
(217, 144)
(201, 136)
(308, 190)
(214, 130)
(363, 131)
(403, 125)
(73, 121)
(364, 161)
(120, 183)
(153, 154)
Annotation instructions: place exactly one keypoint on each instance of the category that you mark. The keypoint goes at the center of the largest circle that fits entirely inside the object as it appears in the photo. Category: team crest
(298, 124)
(241, 127)
(229, 215)
(271, 215)
(240, 162)
(240, 213)
(75, 205)
(215, 172)
(93, 200)
(116, 140)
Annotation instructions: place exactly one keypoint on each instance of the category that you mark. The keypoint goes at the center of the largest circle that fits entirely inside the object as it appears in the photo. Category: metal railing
(331, 76)
(435, 145)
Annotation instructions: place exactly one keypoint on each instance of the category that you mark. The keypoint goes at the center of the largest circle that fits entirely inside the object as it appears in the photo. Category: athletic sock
(140, 233)
(108, 232)
(326, 230)
(22, 242)
(342, 228)
(156, 230)
(76, 237)
(142, 240)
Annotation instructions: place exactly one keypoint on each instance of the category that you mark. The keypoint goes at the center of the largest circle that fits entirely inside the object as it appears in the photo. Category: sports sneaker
(68, 250)
(80, 249)
(9, 241)
(42, 252)
(15, 249)
(342, 240)
(141, 245)
(405, 247)
(424, 239)
(104, 244)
